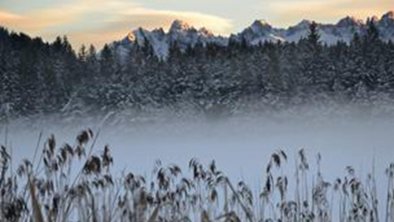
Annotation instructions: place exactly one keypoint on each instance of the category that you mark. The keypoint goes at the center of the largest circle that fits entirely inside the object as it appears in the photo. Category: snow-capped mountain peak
(374, 19)
(180, 34)
(305, 23)
(260, 25)
(386, 26)
(136, 35)
(179, 25)
(349, 21)
(388, 18)
(257, 33)
(205, 32)
(389, 15)
(184, 35)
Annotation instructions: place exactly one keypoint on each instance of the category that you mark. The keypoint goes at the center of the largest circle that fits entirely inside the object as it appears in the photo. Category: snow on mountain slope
(259, 32)
(386, 26)
(295, 33)
(180, 33)
(183, 35)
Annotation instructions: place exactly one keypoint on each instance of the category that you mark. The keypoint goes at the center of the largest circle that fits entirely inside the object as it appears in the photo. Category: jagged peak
(349, 21)
(139, 31)
(260, 26)
(136, 34)
(373, 19)
(304, 23)
(206, 31)
(258, 31)
(388, 16)
(260, 23)
(179, 25)
(158, 30)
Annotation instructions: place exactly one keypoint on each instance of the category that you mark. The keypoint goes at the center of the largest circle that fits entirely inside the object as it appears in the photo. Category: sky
(103, 21)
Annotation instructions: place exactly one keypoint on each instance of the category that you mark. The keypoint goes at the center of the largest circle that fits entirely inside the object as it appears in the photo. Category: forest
(38, 78)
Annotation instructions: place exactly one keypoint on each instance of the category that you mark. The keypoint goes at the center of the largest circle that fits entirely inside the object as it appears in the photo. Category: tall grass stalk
(203, 193)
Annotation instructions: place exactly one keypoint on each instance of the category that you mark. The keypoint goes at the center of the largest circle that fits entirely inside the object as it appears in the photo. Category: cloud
(101, 21)
(8, 16)
(288, 11)
(163, 18)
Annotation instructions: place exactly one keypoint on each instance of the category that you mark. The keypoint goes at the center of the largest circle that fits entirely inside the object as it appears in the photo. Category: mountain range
(184, 35)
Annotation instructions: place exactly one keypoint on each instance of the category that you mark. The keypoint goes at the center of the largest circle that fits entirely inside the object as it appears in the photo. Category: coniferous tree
(38, 77)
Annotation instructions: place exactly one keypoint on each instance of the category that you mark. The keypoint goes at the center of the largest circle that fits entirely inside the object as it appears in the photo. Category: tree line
(37, 77)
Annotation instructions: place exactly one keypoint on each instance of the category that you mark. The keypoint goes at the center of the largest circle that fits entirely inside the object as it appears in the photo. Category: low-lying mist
(241, 144)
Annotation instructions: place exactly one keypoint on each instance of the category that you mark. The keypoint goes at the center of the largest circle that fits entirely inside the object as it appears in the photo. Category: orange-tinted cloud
(117, 29)
(8, 16)
(100, 21)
